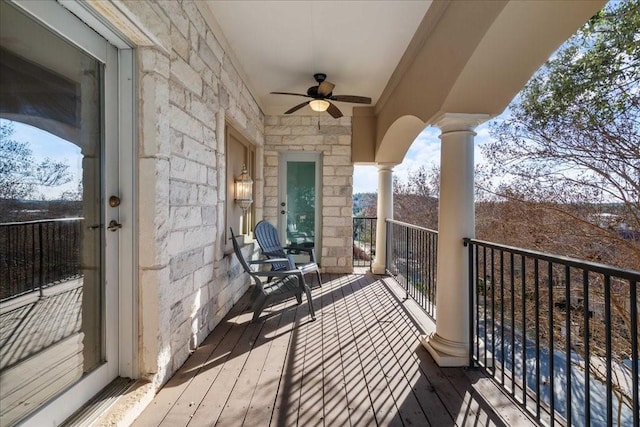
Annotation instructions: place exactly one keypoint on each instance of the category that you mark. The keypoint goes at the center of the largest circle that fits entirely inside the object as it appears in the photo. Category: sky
(46, 145)
(424, 151)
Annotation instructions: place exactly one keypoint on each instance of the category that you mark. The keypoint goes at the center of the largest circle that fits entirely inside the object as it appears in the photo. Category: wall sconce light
(244, 189)
(319, 105)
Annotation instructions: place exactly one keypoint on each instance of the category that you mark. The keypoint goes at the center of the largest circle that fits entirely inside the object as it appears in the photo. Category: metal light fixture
(319, 105)
(244, 189)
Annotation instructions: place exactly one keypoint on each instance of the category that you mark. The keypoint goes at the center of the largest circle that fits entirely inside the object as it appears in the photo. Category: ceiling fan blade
(296, 108)
(325, 88)
(334, 111)
(290, 93)
(352, 98)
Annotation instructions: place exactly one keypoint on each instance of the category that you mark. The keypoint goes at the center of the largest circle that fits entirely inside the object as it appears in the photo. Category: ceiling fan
(321, 96)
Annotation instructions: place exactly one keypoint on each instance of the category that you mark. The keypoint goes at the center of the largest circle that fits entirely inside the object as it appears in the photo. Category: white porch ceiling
(279, 45)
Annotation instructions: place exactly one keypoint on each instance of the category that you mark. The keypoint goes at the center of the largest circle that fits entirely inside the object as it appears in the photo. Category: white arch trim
(396, 141)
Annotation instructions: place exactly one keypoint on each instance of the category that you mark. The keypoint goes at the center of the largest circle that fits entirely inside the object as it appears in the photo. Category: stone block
(336, 161)
(184, 74)
(334, 201)
(196, 19)
(215, 46)
(186, 263)
(185, 123)
(153, 113)
(271, 120)
(179, 44)
(182, 193)
(296, 121)
(151, 60)
(302, 140)
(207, 195)
(276, 130)
(153, 212)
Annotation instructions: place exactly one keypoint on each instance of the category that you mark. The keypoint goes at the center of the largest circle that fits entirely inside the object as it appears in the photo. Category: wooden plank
(262, 403)
(186, 405)
(237, 404)
(384, 407)
(450, 396)
(401, 332)
(401, 390)
(173, 390)
(310, 408)
(336, 403)
(360, 406)
(211, 405)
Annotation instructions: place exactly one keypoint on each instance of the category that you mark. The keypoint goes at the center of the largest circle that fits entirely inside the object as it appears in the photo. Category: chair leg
(258, 306)
(319, 280)
(310, 302)
(299, 297)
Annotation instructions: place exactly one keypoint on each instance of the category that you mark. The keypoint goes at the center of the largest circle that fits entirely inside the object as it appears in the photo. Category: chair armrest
(310, 251)
(287, 260)
(268, 261)
(278, 273)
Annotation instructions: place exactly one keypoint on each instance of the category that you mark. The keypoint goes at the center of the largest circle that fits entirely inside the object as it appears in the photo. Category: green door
(300, 196)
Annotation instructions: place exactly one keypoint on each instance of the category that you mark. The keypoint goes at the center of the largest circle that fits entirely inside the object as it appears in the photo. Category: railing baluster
(493, 311)
(477, 287)
(633, 308)
(567, 295)
(502, 313)
(513, 324)
(523, 274)
(536, 283)
(587, 356)
(552, 393)
(607, 322)
(41, 258)
(484, 298)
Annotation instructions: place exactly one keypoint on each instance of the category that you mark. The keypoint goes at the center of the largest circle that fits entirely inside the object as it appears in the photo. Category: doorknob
(114, 225)
(114, 201)
(283, 212)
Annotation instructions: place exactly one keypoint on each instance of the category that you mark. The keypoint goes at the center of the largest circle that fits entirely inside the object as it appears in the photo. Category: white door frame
(297, 156)
(120, 298)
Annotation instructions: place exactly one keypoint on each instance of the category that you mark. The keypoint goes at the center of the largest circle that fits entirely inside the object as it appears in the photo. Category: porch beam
(449, 345)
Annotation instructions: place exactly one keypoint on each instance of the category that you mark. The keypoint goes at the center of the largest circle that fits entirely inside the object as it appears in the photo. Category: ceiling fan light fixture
(319, 105)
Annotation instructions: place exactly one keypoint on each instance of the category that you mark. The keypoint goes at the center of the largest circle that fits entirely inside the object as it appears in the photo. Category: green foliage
(573, 135)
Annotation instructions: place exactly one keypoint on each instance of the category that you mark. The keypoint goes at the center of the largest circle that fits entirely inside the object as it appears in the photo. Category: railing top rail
(416, 227)
(632, 275)
(40, 221)
(364, 217)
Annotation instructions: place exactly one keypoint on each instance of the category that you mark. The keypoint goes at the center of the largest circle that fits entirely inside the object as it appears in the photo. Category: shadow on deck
(359, 363)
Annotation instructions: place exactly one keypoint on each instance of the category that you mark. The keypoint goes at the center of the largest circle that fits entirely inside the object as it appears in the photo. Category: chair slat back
(267, 237)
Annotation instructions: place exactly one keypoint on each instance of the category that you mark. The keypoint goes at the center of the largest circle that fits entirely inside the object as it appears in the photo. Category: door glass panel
(301, 203)
(51, 287)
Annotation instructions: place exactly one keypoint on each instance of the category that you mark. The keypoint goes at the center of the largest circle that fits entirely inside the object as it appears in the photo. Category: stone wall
(187, 89)
(333, 140)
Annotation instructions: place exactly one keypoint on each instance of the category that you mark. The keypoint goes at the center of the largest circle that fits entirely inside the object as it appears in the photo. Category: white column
(449, 345)
(385, 210)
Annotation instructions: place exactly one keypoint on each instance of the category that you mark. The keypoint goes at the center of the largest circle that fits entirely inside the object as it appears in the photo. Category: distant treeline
(32, 210)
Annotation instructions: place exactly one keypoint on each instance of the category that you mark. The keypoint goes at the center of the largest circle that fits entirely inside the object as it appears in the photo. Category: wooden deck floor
(359, 364)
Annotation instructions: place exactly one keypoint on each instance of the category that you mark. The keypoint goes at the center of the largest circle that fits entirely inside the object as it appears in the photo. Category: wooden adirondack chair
(281, 284)
(267, 237)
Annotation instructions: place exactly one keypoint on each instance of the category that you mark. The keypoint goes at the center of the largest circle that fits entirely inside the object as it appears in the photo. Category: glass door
(57, 234)
(300, 195)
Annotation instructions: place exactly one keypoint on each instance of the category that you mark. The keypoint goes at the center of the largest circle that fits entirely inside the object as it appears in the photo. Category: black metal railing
(558, 334)
(364, 240)
(412, 254)
(34, 254)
